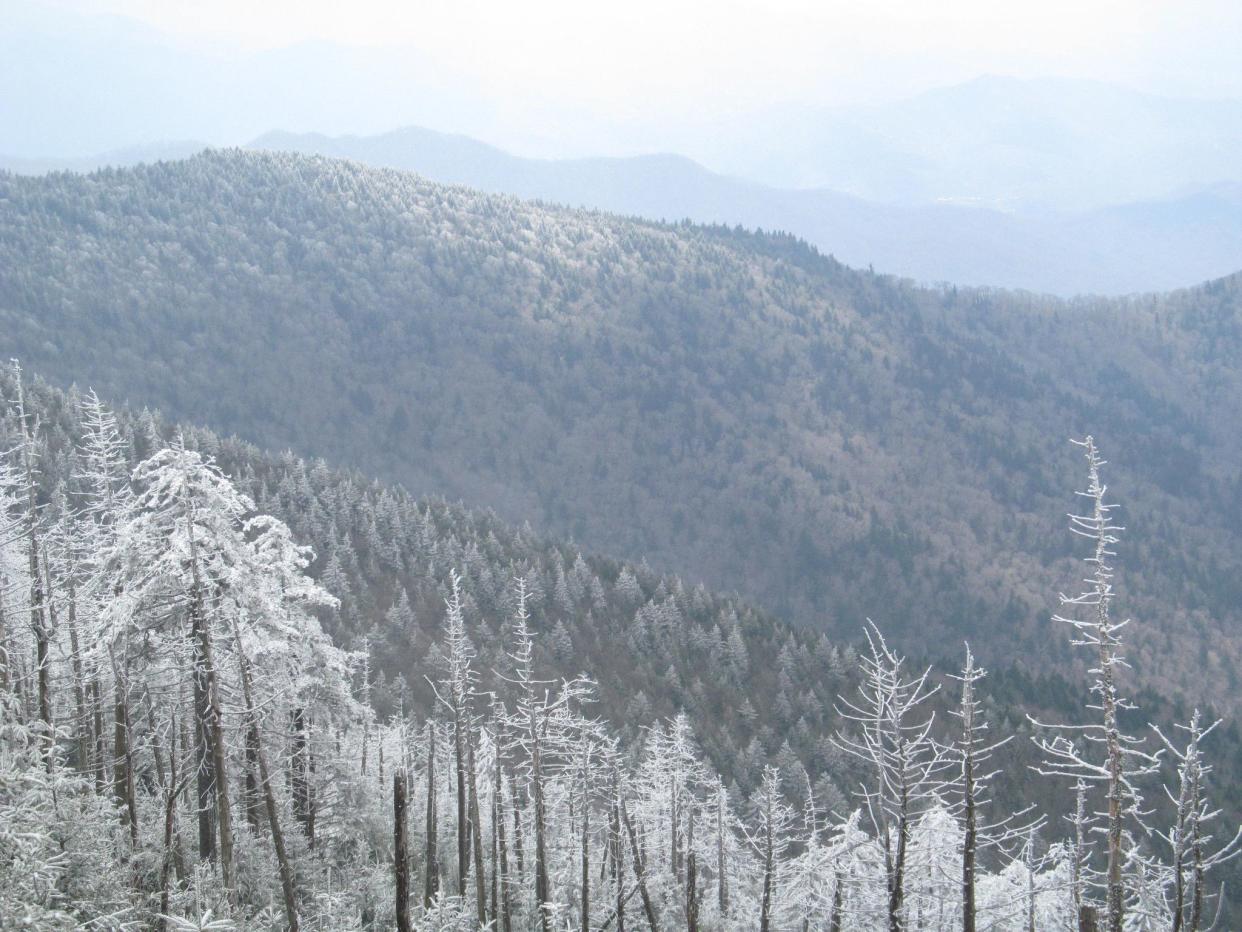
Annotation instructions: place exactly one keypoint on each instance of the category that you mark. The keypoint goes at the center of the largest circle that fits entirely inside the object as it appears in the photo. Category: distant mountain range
(1145, 246)
(1042, 144)
(1001, 142)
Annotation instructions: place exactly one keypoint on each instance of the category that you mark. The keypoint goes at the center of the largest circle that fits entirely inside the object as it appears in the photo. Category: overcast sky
(621, 58)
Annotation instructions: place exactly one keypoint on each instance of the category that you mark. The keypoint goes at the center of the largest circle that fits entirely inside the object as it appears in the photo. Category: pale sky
(619, 58)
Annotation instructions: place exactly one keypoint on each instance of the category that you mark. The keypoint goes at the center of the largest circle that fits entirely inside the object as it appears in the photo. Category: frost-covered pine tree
(1109, 757)
(906, 768)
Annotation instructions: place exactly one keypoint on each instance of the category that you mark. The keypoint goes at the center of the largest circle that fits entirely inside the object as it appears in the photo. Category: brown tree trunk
(542, 887)
(722, 877)
(476, 837)
(83, 724)
(463, 828)
(431, 882)
(123, 764)
(205, 776)
(4, 643)
(97, 714)
(269, 796)
(498, 815)
(765, 914)
(968, 843)
(834, 918)
(252, 800)
(171, 789)
(692, 893)
(586, 864)
(618, 859)
(640, 870)
(303, 804)
(400, 862)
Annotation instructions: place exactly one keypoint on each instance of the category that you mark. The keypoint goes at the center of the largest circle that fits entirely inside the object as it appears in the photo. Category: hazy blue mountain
(131, 85)
(995, 141)
(1146, 246)
(116, 158)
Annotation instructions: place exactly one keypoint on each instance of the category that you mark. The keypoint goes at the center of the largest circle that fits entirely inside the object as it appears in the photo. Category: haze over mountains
(735, 407)
(1052, 185)
(1042, 144)
(1145, 246)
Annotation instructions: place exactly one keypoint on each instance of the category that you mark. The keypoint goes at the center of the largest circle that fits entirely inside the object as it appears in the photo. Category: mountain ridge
(1144, 246)
(674, 391)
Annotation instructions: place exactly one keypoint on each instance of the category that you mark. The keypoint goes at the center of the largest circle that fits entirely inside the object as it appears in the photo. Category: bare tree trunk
(765, 915)
(1080, 851)
(543, 893)
(252, 801)
(722, 876)
(431, 882)
(178, 853)
(1196, 859)
(1116, 887)
(640, 870)
(494, 889)
(219, 762)
(269, 796)
(38, 615)
(100, 750)
(123, 764)
(476, 836)
(834, 918)
(618, 857)
(83, 725)
(171, 789)
(897, 873)
(674, 850)
(43, 659)
(4, 640)
(204, 769)
(969, 841)
(303, 805)
(585, 880)
(506, 914)
(157, 752)
(400, 863)
(692, 892)
(463, 829)
(519, 849)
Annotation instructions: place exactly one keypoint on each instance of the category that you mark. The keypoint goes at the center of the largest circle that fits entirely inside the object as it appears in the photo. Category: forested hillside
(182, 746)
(738, 409)
(657, 647)
(1145, 245)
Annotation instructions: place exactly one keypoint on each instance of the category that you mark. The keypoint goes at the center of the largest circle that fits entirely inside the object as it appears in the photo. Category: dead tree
(400, 860)
(1122, 756)
(431, 861)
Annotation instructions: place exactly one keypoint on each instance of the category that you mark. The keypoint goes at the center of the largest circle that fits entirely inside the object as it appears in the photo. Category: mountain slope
(735, 407)
(647, 638)
(1139, 247)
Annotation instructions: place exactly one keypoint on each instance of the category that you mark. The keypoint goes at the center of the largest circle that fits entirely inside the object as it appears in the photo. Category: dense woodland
(183, 745)
(733, 406)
